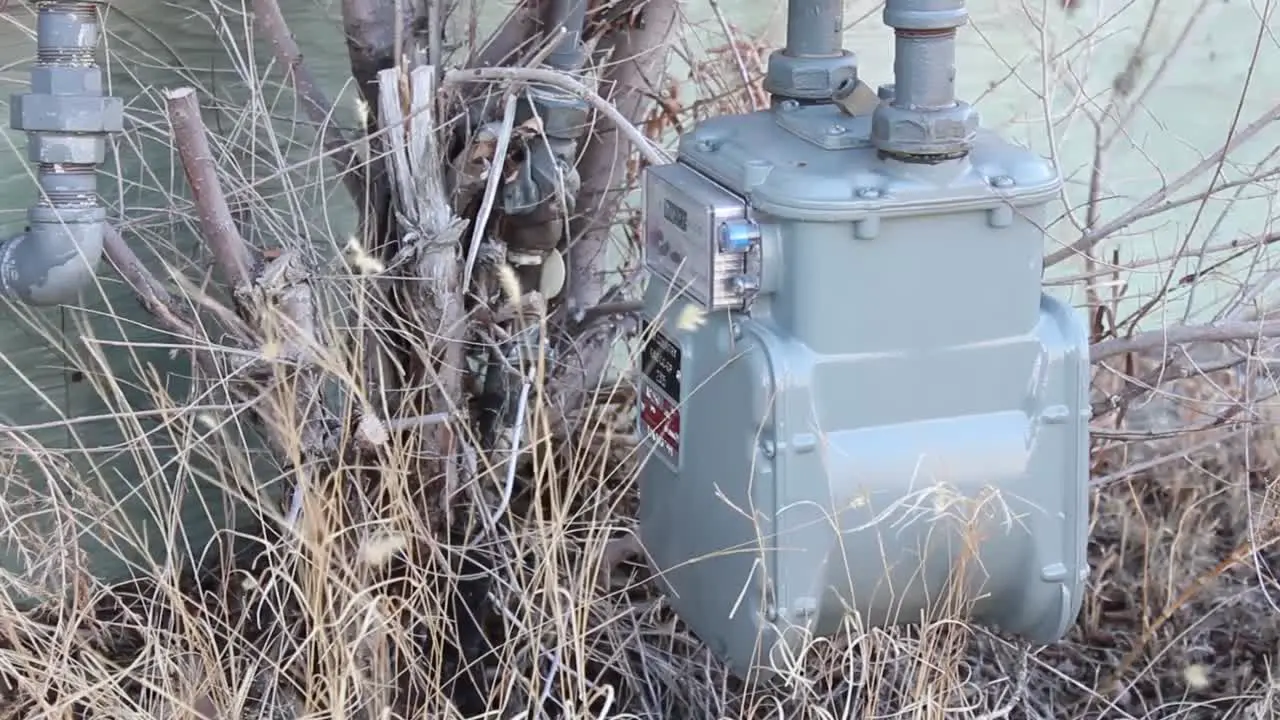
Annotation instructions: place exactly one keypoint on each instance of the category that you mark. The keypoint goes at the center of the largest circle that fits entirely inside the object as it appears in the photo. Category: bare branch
(1181, 335)
(230, 251)
(640, 58)
(490, 188)
(153, 295)
(1154, 202)
(271, 23)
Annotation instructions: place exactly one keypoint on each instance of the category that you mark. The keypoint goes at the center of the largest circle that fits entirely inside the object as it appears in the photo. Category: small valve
(738, 236)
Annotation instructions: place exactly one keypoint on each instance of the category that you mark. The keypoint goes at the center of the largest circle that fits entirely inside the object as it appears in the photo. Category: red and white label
(661, 419)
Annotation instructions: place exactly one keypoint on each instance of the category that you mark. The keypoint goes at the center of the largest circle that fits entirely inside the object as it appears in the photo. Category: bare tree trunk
(638, 61)
(377, 31)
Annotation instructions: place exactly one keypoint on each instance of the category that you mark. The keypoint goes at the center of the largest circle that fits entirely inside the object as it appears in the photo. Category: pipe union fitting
(66, 113)
(54, 149)
(63, 80)
(925, 14)
(810, 78)
(942, 132)
(563, 115)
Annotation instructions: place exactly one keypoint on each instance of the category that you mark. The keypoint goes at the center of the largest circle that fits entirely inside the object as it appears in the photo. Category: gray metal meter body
(856, 400)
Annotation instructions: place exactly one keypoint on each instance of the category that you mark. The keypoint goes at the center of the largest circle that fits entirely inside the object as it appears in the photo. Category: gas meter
(857, 403)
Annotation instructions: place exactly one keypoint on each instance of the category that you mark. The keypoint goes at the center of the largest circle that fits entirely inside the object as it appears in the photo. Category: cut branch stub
(417, 163)
(276, 301)
(230, 251)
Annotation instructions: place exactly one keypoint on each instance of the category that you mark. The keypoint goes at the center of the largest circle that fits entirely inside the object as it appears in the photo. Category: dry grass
(544, 614)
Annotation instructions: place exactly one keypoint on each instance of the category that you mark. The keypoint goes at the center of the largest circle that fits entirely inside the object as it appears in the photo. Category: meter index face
(683, 214)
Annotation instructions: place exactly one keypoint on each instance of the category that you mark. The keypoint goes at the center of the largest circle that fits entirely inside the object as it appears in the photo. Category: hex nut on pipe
(810, 78)
(813, 66)
(932, 133)
(49, 149)
(57, 80)
(66, 113)
(920, 119)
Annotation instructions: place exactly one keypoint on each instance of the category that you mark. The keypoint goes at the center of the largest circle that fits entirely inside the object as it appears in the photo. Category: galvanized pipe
(815, 29)
(921, 120)
(67, 119)
(572, 16)
(924, 69)
(924, 62)
(813, 67)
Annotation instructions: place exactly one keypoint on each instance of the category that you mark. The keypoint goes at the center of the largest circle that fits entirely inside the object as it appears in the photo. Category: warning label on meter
(661, 419)
(660, 393)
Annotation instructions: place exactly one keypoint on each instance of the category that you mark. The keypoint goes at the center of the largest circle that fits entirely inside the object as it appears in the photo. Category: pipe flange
(925, 14)
(933, 133)
(810, 78)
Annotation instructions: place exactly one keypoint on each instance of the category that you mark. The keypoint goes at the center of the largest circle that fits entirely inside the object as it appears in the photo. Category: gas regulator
(879, 417)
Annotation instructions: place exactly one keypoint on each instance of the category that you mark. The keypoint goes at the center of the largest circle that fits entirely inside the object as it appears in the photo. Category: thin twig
(491, 187)
(732, 42)
(517, 440)
(1153, 203)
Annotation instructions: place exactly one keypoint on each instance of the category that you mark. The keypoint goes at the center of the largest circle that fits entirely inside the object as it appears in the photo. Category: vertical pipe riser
(814, 65)
(924, 68)
(815, 29)
(571, 15)
(67, 119)
(922, 121)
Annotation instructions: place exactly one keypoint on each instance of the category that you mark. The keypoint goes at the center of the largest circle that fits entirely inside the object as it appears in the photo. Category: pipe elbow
(51, 263)
(67, 119)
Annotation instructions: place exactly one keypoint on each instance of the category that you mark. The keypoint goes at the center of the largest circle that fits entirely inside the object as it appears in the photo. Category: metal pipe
(921, 117)
(924, 68)
(924, 62)
(67, 119)
(815, 29)
(572, 16)
(813, 67)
